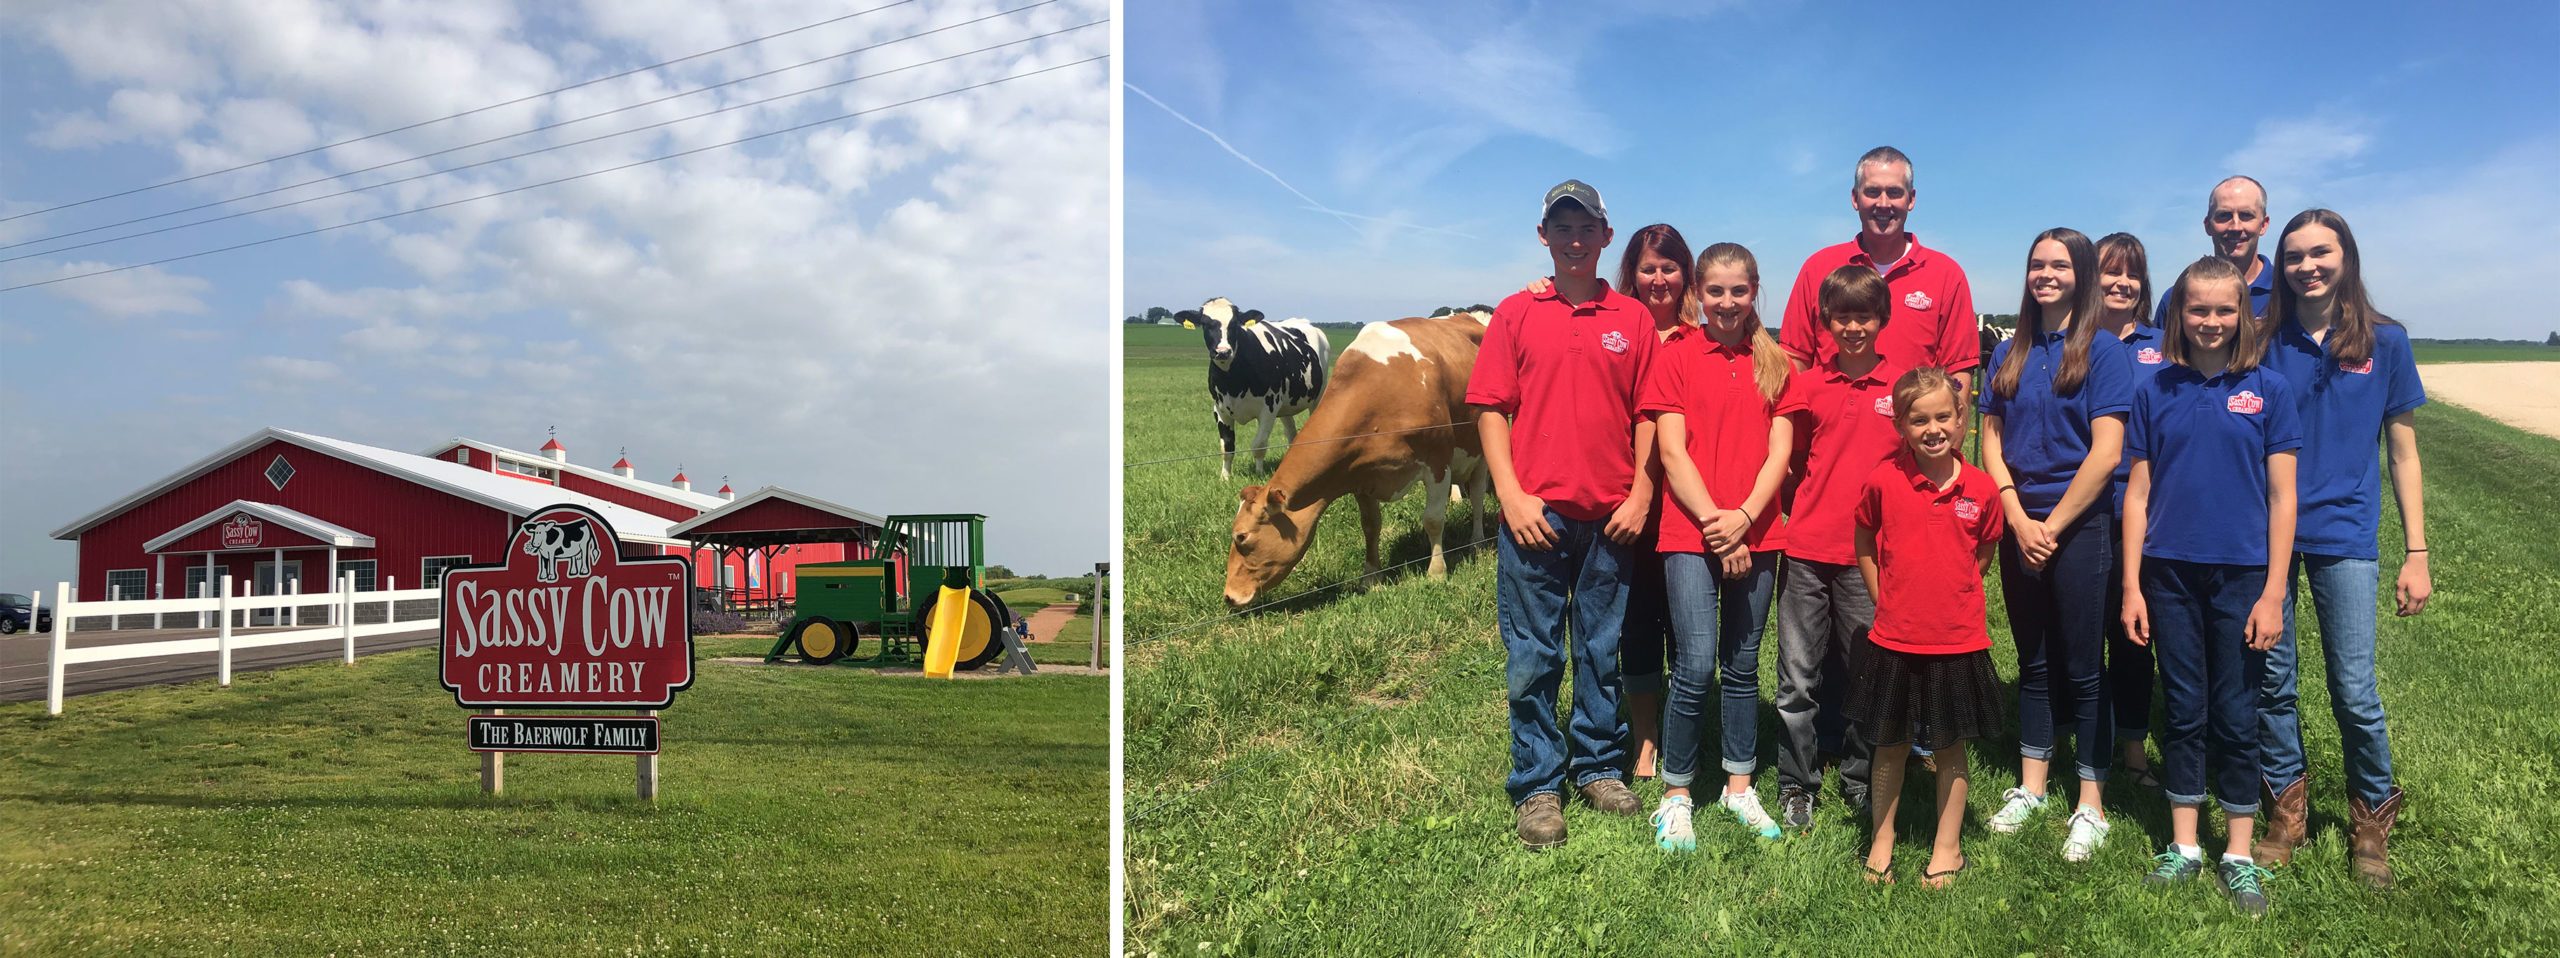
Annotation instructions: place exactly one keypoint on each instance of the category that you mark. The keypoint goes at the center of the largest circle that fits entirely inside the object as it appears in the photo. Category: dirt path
(1046, 622)
(2524, 395)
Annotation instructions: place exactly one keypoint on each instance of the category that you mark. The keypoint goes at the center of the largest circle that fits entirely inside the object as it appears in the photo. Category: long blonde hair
(1769, 365)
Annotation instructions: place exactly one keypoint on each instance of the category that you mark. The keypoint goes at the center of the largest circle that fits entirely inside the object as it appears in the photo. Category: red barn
(293, 511)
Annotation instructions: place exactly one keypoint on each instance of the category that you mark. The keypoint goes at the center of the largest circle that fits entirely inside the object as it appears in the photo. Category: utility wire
(525, 153)
(469, 112)
(564, 179)
(495, 139)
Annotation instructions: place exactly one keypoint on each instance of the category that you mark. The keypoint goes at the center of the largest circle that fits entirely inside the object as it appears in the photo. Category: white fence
(340, 625)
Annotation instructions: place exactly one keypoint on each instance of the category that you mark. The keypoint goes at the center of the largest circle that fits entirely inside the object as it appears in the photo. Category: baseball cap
(1579, 192)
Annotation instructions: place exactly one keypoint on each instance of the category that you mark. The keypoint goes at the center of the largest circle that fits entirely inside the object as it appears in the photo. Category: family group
(2154, 484)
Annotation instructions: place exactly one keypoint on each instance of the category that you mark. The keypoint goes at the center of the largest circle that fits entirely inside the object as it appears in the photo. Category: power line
(564, 179)
(469, 112)
(525, 153)
(510, 136)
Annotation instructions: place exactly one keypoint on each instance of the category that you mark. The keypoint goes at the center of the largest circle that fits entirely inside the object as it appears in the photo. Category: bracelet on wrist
(2412, 551)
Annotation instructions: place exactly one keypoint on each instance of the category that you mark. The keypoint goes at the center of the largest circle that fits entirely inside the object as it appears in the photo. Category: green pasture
(1324, 777)
(327, 809)
(2473, 351)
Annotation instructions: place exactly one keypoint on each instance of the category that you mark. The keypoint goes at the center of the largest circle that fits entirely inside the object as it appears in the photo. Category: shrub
(714, 622)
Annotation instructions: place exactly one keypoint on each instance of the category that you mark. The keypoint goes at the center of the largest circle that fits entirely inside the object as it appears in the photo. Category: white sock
(2191, 851)
(2242, 859)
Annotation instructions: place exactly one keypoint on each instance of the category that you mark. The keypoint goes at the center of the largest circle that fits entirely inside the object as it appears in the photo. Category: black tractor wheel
(978, 642)
(821, 640)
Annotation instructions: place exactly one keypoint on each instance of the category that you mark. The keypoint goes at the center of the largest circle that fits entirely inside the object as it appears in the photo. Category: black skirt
(1895, 696)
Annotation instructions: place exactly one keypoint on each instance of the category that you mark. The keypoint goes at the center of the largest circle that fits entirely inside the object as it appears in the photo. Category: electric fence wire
(1293, 443)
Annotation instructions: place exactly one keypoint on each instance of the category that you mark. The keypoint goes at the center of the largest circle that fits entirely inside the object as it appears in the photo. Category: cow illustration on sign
(552, 542)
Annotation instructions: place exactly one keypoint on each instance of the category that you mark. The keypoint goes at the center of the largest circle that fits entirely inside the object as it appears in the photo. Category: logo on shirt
(1917, 300)
(1884, 405)
(2148, 356)
(1968, 510)
(1613, 342)
(2362, 368)
(2245, 403)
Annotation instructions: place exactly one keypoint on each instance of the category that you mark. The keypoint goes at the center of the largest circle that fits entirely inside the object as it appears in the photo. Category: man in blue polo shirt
(2235, 218)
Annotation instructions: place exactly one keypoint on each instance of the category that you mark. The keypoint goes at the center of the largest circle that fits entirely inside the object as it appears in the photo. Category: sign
(242, 532)
(568, 620)
(578, 734)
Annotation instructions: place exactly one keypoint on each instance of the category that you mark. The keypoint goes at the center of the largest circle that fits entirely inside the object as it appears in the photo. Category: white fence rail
(341, 625)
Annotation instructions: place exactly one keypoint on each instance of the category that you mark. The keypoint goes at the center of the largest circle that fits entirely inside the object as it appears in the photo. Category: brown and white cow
(1395, 413)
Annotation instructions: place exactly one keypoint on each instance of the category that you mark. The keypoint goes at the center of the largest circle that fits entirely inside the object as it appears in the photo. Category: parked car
(17, 612)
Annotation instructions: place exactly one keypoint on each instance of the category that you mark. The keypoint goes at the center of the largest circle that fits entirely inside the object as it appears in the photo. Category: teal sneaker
(1745, 806)
(2171, 867)
(2246, 883)
(2013, 814)
(1672, 831)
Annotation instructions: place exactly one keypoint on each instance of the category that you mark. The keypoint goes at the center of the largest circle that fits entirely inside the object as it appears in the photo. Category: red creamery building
(291, 511)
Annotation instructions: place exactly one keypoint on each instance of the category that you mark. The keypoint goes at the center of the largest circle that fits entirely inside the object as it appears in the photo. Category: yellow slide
(950, 616)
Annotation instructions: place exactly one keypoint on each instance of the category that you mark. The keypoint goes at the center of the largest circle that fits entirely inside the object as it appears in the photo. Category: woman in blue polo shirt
(2214, 433)
(2358, 386)
(2052, 431)
(2124, 308)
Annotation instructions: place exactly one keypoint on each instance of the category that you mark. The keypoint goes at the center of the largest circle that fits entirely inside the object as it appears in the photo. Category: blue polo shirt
(2142, 348)
(2208, 441)
(2342, 414)
(2264, 287)
(2045, 436)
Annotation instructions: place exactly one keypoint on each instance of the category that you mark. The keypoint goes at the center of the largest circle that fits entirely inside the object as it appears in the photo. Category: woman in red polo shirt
(1713, 393)
(1654, 270)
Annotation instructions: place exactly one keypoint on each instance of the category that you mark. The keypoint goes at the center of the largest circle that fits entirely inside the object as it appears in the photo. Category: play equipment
(924, 597)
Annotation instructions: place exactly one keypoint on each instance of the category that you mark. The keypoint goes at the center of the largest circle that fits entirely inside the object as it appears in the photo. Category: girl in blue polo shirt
(2124, 309)
(2213, 433)
(2052, 430)
(2358, 386)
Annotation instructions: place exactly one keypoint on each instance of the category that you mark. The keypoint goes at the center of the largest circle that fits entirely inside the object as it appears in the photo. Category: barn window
(127, 584)
(362, 569)
(279, 472)
(431, 569)
(462, 455)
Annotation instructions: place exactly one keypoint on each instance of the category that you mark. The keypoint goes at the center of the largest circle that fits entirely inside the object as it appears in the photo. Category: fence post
(1100, 569)
(347, 614)
(222, 632)
(61, 641)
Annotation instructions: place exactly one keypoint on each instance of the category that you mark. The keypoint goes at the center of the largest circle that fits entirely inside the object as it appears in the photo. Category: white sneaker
(1745, 806)
(2014, 813)
(2088, 831)
(1671, 828)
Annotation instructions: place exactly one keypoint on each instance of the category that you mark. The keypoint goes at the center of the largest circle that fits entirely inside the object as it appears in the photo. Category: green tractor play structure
(923, 599)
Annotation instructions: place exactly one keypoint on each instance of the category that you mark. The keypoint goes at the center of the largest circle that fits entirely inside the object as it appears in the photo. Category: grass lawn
(1325, 777)
(2429, 351)
(333, 810)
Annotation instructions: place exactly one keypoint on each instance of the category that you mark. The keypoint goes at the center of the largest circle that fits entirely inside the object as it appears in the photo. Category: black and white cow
(1258, 370)
(551, 543)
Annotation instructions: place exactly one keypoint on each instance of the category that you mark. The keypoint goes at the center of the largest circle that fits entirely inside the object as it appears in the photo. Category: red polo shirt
(1846, 427)
(1566, 374)
(1931, 601)
(1711, 386)
(1932, 322)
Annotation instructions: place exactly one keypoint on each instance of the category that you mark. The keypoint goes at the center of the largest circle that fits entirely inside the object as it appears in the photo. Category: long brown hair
(2351, 313)
(2074, 369)
(1663, 241)
(2126, 249)
(1769, 364)
(2250, 340)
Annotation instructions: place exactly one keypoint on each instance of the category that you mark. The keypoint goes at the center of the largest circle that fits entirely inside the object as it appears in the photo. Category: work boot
(1644, 721)
(1541, 819)
(2286, 824)
(2368, 843)
(1612, 796)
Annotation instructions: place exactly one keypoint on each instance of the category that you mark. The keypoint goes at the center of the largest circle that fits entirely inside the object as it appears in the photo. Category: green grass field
(2429, 351)
(333, 810)
(1324, 778)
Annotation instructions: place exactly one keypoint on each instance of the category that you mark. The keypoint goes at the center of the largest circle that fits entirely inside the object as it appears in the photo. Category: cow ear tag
(1186, 324)
(1248, 324)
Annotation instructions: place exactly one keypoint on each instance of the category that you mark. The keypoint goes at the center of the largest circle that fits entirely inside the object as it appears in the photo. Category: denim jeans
(1823, 616)
(2056, 616)
(1534, 592)
(2129, 666)
(1718, 622)
(1644, 643)
(2342, 593)
(2208, 678)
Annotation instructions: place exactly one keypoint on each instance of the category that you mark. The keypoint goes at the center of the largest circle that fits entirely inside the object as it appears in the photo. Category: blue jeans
(2129, 666)
(2057, 616)
(1533, 593)
(1718, 623)
(2208, 678)
(2342, 593)
(1824, 613)
(1644, 642)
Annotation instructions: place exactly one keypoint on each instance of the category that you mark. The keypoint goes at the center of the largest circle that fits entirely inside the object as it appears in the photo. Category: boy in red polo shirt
(1555, 394)
(1927, 526)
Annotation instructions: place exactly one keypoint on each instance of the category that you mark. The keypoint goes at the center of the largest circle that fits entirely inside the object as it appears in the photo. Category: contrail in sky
(1312, 204)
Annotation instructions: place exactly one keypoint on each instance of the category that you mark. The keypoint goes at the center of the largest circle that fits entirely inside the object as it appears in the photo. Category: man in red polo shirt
(1932, 323)
(1555, 394)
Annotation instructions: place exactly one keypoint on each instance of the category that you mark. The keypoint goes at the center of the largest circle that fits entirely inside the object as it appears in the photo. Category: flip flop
(2144, 776)
(1941, 880)
(1877, 876)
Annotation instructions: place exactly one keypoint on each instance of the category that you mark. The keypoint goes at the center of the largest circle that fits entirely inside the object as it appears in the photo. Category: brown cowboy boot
(2368, 845)
(2286, 824)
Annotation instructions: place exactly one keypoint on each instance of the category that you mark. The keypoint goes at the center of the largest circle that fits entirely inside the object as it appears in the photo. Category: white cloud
(2290, 150)
(132, 294)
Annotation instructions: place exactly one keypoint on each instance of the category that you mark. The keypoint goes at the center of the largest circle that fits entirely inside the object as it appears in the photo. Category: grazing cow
(1396, 413)
(551, 542)
(1259, 370)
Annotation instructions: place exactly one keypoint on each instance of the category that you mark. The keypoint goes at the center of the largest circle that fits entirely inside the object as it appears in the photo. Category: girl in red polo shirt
(1928, 524)
(1713, 394)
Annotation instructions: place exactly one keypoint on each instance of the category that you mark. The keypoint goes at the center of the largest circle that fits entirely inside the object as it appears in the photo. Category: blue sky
(885, 312)
(1430, 131)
